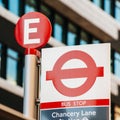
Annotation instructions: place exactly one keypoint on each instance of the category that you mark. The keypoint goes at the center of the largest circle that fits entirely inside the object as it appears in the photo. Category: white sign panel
(75, 77)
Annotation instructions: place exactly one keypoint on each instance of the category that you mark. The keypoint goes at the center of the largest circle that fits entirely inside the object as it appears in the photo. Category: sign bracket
(37, 101)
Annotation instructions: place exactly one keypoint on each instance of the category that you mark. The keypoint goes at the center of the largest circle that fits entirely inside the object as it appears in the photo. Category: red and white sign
(33, 30)
(74, 73)
(75, 76)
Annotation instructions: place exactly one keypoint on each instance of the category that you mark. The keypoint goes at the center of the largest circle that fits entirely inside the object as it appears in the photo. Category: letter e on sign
(28, 30)
(33, 30)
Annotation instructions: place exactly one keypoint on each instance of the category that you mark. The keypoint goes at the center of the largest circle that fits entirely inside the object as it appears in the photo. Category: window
(71, 38)
(14, 6)
(1, 3)
(45, 10)
(58, 32)
(71, 34)
(11, 66)
(30, 6)
(107, 6)
(117, 64)
(117, 10)
(95, 40)
(58, 29)
(97, 2)
(84, 38)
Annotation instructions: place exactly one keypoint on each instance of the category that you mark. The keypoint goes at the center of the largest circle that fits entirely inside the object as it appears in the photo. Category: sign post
(32, 31)
(76, 83)
(31, 83)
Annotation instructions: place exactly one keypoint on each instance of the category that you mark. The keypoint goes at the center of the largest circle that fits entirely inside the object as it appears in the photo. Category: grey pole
(31, 85)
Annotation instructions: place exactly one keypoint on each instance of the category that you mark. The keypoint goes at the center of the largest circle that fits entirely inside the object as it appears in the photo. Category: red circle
(91, 76)
(42, 31)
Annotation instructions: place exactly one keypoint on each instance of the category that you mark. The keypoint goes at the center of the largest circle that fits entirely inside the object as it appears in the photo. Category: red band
(32, 51)
(75, 103)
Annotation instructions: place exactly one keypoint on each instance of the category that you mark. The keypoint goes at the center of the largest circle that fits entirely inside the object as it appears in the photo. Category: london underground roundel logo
(91, 72)
(33, 30)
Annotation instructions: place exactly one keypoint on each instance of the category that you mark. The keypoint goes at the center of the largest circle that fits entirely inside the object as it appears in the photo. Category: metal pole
(31, 81)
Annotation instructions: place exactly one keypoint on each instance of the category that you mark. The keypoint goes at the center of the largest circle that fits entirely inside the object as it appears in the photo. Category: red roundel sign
(91, 72)
(33, 30)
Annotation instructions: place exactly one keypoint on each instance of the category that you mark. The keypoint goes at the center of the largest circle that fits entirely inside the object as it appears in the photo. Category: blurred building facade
(74, 22)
